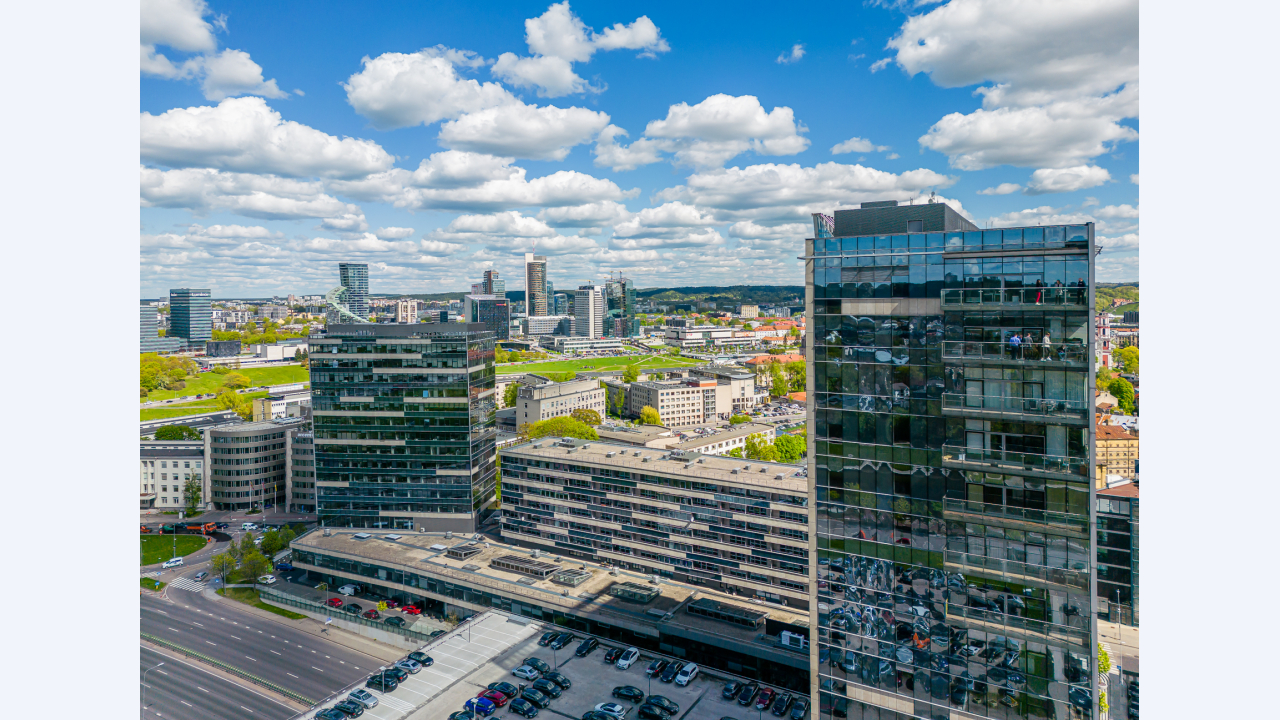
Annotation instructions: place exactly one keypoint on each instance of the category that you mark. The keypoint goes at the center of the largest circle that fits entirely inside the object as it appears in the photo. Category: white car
(175, 562)
(248, 526)
(689, 672)
(613, 709)
(347, 590)
(628, 658)
(525, 672)
(267, 579)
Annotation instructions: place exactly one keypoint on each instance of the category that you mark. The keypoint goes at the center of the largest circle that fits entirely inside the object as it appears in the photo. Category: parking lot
(497, 646)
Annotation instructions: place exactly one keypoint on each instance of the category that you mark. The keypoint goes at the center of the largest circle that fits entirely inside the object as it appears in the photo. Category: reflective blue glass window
(1033, 237)
(973, 240)
(916, 242)
(833, 246)
(882, 244)
(866, 245)
(1077, 272)
(849, 246)
(898, 242)
(992, 239)
(1012, 238)
(1078, 235)
(1054, 236)
(883, 259)
(934, 241)
(849, 262)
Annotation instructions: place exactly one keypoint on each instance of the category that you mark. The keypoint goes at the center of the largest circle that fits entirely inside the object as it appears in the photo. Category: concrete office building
(222, 348)
(580, 344)
(589, 311)
(407, 311)
(732, 525)
(737, 392)
(247, 463)
(300, 474)
(149, 340)
(282, 405)
(274, 313)
(723, 440)
(535, 285)
(355, 278)
(678, 402)
(166, 466)
(749, 311)
(191, 315)
(451, 575)
(708, 336)
(538, 398)
(492, 311)
(404, 425)
(951, 467)
(547, 325)
(493, 285)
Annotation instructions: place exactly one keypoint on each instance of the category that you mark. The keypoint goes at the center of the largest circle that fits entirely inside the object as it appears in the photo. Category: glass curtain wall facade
(355, 278)
(535, 284)
(191, 315)
(404, 425)
(491, 311)
(951, 470)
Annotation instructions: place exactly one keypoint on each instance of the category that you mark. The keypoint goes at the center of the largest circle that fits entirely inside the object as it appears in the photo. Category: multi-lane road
(183, 688)
(294, 659)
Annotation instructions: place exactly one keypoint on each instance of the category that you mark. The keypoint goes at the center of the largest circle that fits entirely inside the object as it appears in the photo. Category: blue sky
(680, 143)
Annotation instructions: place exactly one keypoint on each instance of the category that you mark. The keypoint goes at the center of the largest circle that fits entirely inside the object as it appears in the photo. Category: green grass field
(151, 584)
(158, 548)
(209, 382)
(192, 408)
(249, 596)
(642, 362)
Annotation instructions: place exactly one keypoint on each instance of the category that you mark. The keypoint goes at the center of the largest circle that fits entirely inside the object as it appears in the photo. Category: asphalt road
(272, 651)
(182, 689)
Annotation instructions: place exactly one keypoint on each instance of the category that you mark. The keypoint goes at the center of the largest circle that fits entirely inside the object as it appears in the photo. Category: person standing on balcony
(1015, 345)
(1048, 345)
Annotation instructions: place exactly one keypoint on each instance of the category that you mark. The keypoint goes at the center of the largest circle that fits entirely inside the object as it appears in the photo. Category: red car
(393, 603)
(333, 602)
(410, 610)
(765, 698)
(494, 697)
(370, 614)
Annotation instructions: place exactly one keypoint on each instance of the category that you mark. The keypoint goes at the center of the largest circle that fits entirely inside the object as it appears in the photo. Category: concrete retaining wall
(382, 636)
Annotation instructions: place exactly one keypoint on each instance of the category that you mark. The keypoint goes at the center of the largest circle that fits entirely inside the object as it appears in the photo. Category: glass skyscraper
(951, 390)
(404, 425)
(535, 284)
(191, 315)
(355, 278)
(492, 311)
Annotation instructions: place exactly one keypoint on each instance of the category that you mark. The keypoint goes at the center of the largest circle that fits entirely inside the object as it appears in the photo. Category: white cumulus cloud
(396, 90)
(856, 144)
(794, 55)
(589, 215)
(393, 233)
(181, 25)
(524, 131)
(202, 190)
(1001, 189)
(1056, 180)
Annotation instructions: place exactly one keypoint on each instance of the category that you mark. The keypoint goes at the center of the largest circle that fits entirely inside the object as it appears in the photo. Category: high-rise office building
(404, 425)
(493, 285)
(561, 303)
(355, 278)
(149, 340)
(535, 284)
(191, 315)
(951, 391)
(589, 311)
(620, 295)
(493, 312)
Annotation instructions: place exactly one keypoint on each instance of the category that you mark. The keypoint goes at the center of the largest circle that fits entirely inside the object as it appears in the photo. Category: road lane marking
(162, 672)
(196, 623)
(245, 708)
(292, 675)
(313, 667)
(174, 629)
(253, 659)
(230, 635)
(280, 654)
(201, 689)
(212, 643)
(184, 702)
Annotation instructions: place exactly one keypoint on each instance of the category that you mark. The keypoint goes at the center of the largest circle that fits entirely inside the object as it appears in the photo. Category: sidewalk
(350, 640)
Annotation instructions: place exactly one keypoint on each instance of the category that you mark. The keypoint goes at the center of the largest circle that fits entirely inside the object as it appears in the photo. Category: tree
(177, 432)
(287, 536)
(617, 401)
(586, 416)
(758, 449)
(270, 543)
(790, 448)
(1128, 357)
(231, 400)
(1103, 379)
(630, 374)
(235, 381)
(299, 529)
(777, 379)
(736, 452)
(649, 416)
(675, 352)
(739, 419)
(562, 376)
(222, 564)
(254, 564)
(795, 375)
(191, 492)
(301, 357)
(509, 394)
(1123, 392)
(562, 427)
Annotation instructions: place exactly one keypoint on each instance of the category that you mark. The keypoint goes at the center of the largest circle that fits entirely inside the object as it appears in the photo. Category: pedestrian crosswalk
(183, 583)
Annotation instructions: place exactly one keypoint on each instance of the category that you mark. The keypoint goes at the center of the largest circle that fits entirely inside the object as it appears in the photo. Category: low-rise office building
(737, 393)
(1118, 554)
(536, 325)
(282, 405)
(580, 344)
(678, 402)
(735, 526)
(540, 399)
(708, 336)
(166, 466)
(461, 576)
(247, 463)
(721, 441)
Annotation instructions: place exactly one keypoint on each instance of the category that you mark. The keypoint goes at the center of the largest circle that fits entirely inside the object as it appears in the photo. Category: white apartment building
(540, 399)
(704, 335)
(678, 402)
(407, 311)
(749, 311)
(736, 391)
(165, 467)
(547, 325)
(588, 311)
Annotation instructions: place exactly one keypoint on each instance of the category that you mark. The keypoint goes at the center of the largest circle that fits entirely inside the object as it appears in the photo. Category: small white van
(175, 562)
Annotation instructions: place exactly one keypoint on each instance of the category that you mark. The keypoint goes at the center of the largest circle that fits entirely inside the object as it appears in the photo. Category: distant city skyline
(678, 144)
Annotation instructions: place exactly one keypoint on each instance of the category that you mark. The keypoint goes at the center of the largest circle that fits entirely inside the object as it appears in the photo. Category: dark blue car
(281, 567)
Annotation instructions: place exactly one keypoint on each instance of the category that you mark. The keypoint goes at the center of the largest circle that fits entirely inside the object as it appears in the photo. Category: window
(915, 226)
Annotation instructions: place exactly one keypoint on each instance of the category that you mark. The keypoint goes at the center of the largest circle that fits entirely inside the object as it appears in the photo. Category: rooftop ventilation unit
(734, 471)
(637, 453)
(471, 568)
(362, 536)
(391, 537)
(448, 534)
(779, 476)
(646, 459)
(702, 460)
(610, 454)
(327, 532)
(764, 469)
(463, 552)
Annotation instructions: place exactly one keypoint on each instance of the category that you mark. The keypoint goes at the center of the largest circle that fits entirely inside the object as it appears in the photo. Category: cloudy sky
(681, 143)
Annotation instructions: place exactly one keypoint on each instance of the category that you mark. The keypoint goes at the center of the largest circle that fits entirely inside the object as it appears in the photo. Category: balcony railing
(1072, 353)
(1020, 460)
(1017, 406)
(1059, 296)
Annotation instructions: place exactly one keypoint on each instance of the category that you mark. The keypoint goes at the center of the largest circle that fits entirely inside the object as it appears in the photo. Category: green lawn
(603, 363)
(210, 382)
(190, 408)
(249, 596)
(151, 584)
(158, 548)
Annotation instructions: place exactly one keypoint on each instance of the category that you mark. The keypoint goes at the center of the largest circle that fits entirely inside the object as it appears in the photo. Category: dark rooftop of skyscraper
(888, 217)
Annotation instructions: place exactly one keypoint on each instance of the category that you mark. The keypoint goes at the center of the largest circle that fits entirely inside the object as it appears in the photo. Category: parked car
(731, 690)
(331, 714)
(421, 658)
(483, 707)
(505, 688)
(597, 715)
(656, 667)
(537, 664)
(348, 590)
(613, 654)
(536, 697)
(612, 709)
(667, 704)
(651, 712)
(393, 603)
(765, 699)
(497, 698)
(559, 642)
(350, 708)
(353, 608)
(630, 693)
(525, 672)
(799, 708)
(559, 679)
(396, 621)
(670, 672)
(399, 673)
(284, 566)
(547, 637)
(548, 688)
(175, 562)
(687, 673)
(462, 715)
(409, 665)
(267, 579)
(410, 610)
(628, 657)
(364, 697)
(371, 614)
(334, 602)
(585, 648)
(747, 694)
(383, 682)
(520, 706)
(782, 704)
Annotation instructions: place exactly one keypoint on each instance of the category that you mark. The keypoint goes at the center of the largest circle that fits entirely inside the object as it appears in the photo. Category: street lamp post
(144, 689)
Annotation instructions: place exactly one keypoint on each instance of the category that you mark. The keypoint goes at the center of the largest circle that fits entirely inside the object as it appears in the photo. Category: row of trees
(254, 560)
(1121, 389)
(508, 356)
(169, 373)
(782, 378)
(269, 333)
(784, 448)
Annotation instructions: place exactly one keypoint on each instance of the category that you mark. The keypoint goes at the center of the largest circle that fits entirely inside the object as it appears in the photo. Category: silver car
(364, 697)
(409, 665)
